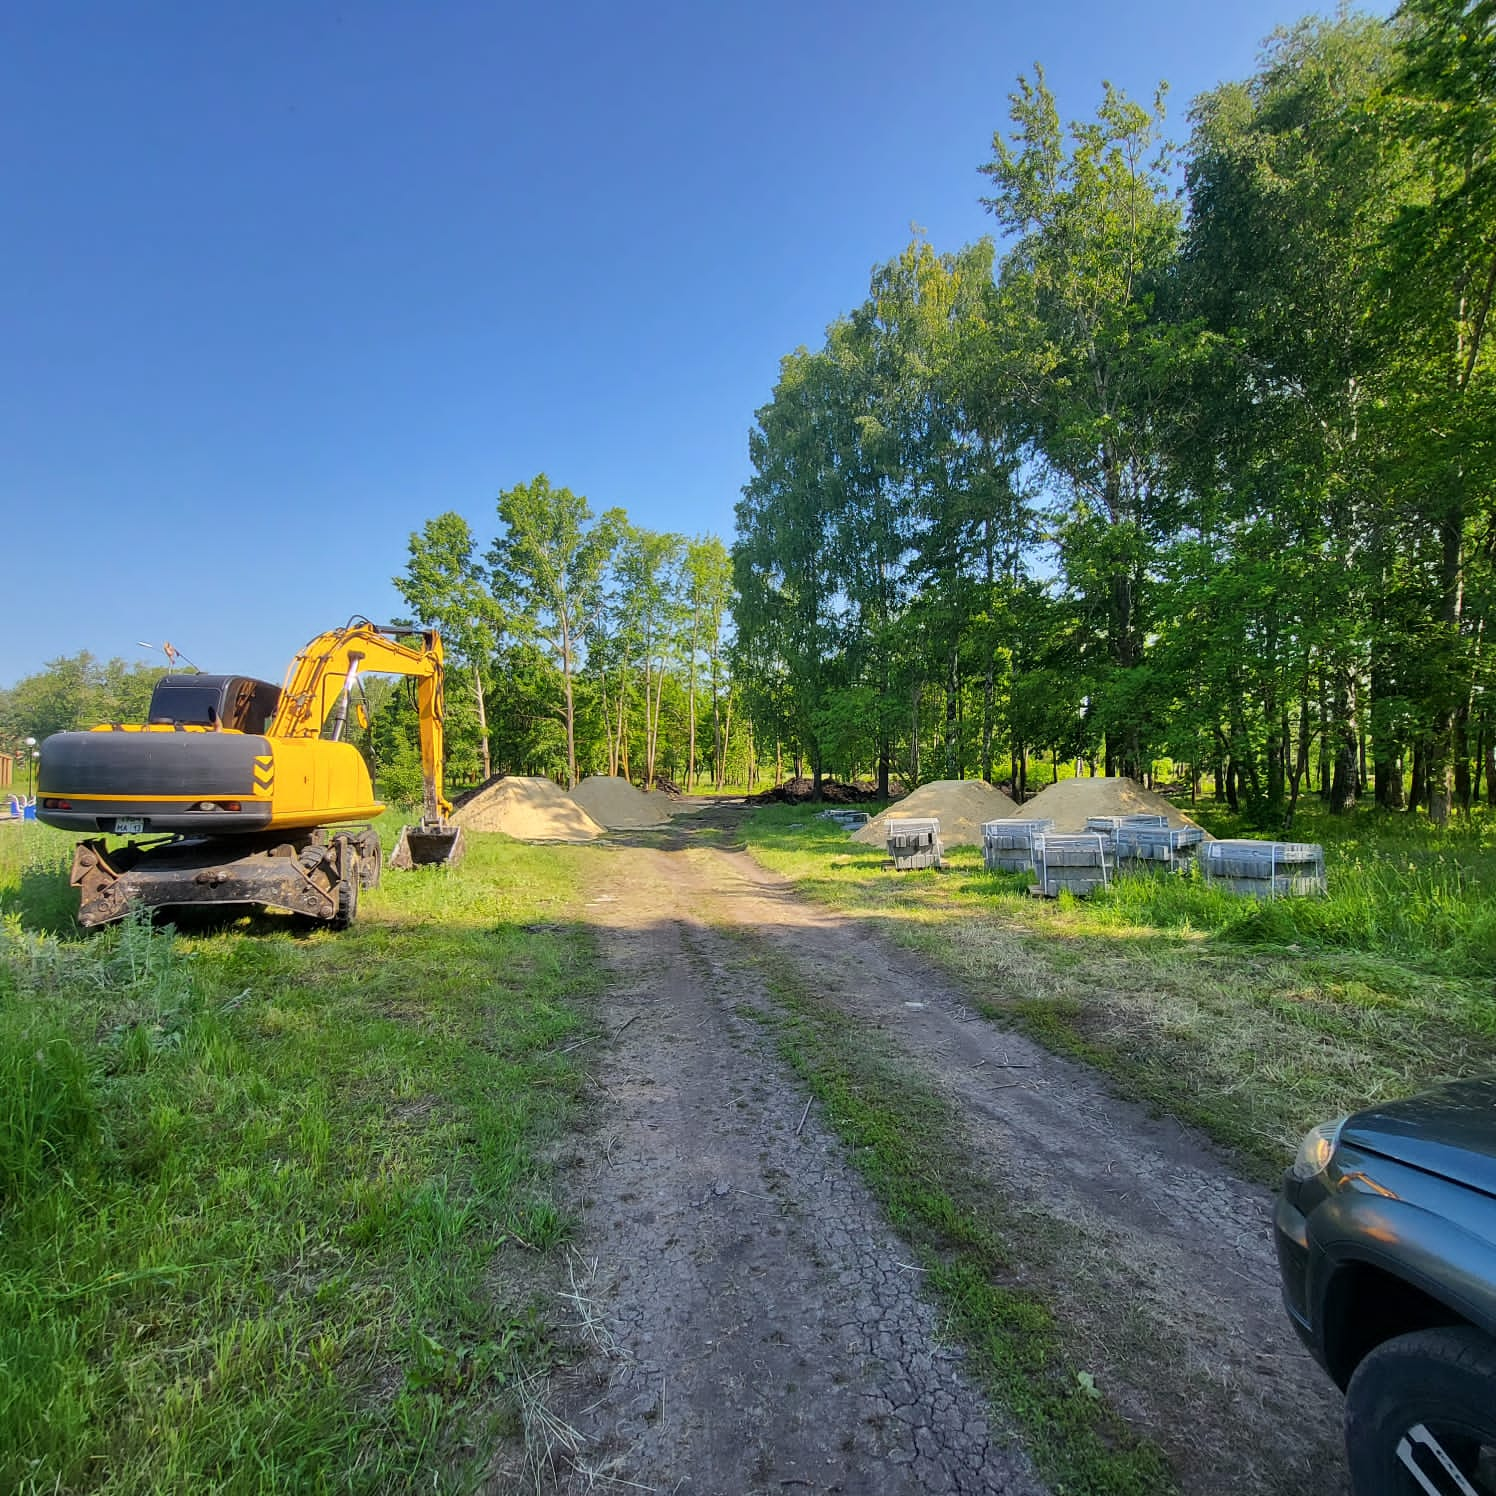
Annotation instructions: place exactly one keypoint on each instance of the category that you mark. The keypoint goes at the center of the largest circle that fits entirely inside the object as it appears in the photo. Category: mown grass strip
(1253, 1021)
(269, 1200)
(908, 1143)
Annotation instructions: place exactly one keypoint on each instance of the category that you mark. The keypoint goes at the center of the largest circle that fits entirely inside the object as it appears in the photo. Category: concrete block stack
(913, 842)
(1156, 848)
(1266, 870)
(1008, 845)
(1078, 863)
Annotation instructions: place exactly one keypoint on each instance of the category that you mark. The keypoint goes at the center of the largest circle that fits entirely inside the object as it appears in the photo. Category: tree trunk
(1418, 789)
(1324, 736)
(691, 750)
(1345, 779)
(952, 690)
(1441, 740)
(989, 682)
(914, 695)
(1462, 790)
(482, 724)
(571, 717)
(726, 738)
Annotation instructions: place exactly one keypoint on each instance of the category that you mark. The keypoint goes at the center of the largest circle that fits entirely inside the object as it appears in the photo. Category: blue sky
(278, 282)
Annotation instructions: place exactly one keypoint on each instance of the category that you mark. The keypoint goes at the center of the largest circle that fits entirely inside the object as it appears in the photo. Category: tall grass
(1397, 886)
(259, 1189)
(1253, 1019)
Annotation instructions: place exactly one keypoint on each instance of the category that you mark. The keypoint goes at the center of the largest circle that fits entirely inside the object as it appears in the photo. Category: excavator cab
(238, 702)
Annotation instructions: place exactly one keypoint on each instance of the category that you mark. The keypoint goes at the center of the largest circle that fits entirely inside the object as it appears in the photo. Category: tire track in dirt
(757, 1323)
(1156, 1252)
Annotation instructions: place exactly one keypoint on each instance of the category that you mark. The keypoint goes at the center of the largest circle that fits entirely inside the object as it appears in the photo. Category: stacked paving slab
(1008, 846)
(1265, 870)
(1078, 863)
(913, 842)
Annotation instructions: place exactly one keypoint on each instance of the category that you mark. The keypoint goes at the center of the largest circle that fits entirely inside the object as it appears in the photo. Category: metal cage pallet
(1077, 863)
(913, 843)
(1266, 870)
(1008, 846)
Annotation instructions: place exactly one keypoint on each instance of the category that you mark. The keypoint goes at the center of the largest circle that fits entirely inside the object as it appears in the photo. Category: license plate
(129, 825)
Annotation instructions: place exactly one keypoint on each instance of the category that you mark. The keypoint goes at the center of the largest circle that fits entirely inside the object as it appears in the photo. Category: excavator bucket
(428, 845)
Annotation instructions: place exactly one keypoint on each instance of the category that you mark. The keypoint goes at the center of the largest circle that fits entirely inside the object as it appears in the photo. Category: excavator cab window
(212, 701)
(187, 701)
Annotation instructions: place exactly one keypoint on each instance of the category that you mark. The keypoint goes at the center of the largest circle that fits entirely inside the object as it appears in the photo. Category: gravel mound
(960, 805)
(1069, 802)
(616, 804)
(529, 809)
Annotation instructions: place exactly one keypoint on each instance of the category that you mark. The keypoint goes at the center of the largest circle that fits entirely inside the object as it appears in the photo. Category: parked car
(1386, 1231)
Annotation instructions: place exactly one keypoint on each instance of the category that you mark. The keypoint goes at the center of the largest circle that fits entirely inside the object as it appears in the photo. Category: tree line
(1200, 466)
(576, 643)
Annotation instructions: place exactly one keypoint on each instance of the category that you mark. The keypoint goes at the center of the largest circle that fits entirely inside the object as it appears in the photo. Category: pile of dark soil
(833, 792)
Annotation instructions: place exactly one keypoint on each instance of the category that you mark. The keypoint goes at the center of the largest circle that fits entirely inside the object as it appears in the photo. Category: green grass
(273, 1205)
(1252, 1020)
(907, 1141)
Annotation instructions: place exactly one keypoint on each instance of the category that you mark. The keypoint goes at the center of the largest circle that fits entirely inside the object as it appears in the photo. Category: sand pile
(1071, 801)
(616, 804)
(960, 805)
(528, 809)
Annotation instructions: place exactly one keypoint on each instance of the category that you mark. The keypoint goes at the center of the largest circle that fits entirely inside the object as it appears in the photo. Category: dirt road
(758, 1326)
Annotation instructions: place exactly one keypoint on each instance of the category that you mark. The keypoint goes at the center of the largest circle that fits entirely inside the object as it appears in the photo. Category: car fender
(1426, 1245)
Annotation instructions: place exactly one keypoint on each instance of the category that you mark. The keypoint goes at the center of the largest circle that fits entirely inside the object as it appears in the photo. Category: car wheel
(1420, 1416)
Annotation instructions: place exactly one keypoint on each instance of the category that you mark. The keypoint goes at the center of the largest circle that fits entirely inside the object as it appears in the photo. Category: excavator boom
(317, 687)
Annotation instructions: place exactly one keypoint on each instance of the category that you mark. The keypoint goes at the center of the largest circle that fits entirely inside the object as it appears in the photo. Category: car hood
(1449, 1131)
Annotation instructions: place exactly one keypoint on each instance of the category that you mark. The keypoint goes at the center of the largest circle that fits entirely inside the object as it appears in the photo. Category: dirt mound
(468, 796)
(833, 792)
(960, 805)
(1071, 801)
(616, 804)
(527, 809)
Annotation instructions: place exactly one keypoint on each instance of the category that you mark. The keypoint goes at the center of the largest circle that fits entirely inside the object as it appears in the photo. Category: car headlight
(1317, 1149)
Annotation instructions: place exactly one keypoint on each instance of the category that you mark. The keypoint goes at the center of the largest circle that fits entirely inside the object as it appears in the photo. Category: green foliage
(75, 691)
(1215, 484)
(549, 567)
(262, 1193)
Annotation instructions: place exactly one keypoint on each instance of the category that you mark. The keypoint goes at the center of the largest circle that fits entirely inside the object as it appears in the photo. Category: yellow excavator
(244, 782)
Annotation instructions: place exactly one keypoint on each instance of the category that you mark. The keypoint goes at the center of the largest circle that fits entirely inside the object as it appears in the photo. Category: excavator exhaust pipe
(428, 845)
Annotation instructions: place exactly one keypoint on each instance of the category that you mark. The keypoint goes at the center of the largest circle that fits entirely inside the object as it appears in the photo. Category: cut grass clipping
(1253, 1020)
(267, 1198)
(905, 1141)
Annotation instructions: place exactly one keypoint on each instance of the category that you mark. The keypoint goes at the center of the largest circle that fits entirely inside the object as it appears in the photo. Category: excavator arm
(320, 678)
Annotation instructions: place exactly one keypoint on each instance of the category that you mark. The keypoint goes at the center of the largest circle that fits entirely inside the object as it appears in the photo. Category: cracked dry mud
(759, 1327)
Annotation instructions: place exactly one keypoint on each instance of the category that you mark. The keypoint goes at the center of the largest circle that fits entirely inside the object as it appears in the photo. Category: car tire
(1437, 1385)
